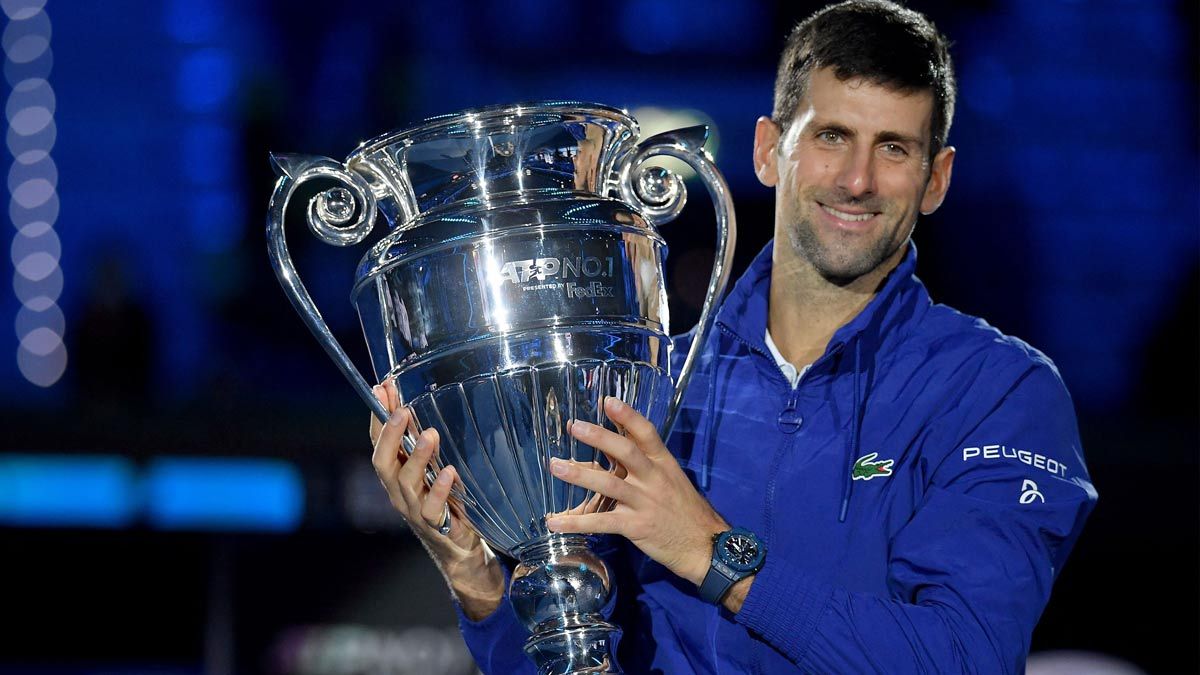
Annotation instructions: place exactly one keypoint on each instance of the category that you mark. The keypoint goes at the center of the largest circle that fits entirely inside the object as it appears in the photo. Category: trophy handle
(661, 196)
(331, 216)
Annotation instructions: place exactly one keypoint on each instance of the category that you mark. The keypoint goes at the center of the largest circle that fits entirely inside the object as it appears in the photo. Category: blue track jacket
(918, 492)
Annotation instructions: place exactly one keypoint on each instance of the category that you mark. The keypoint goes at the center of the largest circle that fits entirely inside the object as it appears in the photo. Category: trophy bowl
(519, 282)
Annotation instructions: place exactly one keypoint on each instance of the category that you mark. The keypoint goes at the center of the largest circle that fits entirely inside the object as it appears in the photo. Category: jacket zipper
(803, 376)
(779, 373)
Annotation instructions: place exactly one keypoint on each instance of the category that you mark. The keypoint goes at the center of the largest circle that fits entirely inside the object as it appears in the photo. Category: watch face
(741, 551)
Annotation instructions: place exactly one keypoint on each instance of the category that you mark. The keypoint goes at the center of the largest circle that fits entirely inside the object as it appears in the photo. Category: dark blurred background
(185, 484)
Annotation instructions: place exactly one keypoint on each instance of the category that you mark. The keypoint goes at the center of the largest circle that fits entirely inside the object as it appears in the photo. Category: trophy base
(558, 590)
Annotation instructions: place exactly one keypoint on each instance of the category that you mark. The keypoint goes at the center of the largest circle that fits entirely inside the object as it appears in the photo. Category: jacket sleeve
(496, 640)
(969, 574)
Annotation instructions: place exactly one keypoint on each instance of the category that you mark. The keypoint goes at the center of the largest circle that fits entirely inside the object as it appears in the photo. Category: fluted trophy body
(520, 282)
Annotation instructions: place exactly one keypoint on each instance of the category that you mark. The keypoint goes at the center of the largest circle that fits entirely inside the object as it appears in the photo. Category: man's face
(851, 173)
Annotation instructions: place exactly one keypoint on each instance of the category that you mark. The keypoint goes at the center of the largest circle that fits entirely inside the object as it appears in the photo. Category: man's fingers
(377, 426)
(393, 394)
(412, 475)
(434, 507)
(387, 454)
(624, 451)
(608, 522)
(636, 426)
(597, 480)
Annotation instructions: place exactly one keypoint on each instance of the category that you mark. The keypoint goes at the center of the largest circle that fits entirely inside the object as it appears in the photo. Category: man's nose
(857, 175)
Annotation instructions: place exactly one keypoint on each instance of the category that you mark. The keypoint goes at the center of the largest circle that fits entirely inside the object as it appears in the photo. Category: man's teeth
(849, 217)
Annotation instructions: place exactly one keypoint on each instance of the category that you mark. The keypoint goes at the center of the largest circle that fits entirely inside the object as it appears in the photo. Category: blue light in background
(215, 220)
(185, 493)
(988, 86)
(652, 26)
(198, 493)
(206, 79)
(207, 147)
(60, 490)
(193, 21)
(695, 26)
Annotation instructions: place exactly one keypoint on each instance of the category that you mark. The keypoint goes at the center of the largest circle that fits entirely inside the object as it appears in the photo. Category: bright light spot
(19, 10)
(32, 179)
(37, 68)
(655, 120)
(37, 229)
(37, 266)
(31, 157)
(27, 48)
(29, 121)
(43, 371)
(41, 341)
(27, 290)
(42, 140)
(35, 238)
(33, 193)
(39, 303)
(30, 92)
(49, 317)
(33, 22)
(20, 173)
(22, 215)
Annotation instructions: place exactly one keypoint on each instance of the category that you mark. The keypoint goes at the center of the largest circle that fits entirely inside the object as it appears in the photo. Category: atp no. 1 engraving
(576, 277)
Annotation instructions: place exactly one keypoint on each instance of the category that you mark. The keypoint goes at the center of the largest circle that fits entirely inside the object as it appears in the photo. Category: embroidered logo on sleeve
(1030, 493)
(867, 468)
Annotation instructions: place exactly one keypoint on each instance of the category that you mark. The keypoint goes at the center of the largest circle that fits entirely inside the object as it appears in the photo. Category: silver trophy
(520, 282)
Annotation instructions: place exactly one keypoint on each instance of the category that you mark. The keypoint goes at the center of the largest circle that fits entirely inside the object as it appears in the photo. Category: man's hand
(657, 507)
(473, 573)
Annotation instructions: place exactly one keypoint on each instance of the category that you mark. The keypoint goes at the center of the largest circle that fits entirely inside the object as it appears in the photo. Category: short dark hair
(877, 40)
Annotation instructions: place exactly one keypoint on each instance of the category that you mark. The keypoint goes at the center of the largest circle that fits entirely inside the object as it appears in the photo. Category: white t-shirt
(789, 371)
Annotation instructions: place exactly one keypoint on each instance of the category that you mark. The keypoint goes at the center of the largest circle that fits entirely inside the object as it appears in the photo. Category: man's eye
(895, 150)
(829, 136)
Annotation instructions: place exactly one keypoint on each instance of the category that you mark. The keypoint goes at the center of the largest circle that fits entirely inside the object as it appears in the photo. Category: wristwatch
(737, 554)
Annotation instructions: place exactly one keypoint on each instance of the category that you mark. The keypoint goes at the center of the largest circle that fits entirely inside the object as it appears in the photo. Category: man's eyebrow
(839, 129)
(897, 137)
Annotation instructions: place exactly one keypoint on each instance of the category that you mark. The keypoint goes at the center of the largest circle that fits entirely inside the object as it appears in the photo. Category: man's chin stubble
(807, 247)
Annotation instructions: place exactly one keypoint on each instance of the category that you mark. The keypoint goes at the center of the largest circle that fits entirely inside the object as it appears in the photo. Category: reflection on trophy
(520, 282)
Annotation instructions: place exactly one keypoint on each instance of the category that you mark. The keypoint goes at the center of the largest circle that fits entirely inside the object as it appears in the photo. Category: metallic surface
(520, 283)
(559, 589)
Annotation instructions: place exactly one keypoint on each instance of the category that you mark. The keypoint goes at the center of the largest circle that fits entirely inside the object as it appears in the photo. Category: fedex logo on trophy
(521, 271)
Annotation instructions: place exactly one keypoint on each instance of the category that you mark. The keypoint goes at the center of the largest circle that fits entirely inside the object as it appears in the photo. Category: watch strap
(716, 584)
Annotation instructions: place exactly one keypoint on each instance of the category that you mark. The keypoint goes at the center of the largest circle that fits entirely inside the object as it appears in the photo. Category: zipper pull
(789, 420)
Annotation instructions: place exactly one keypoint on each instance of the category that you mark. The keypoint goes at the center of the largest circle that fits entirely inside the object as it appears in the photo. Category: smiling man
(854, 481)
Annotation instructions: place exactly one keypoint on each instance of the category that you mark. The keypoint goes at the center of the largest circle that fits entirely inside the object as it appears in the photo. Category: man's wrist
(702, 559)
(478, 589)
(736, 596)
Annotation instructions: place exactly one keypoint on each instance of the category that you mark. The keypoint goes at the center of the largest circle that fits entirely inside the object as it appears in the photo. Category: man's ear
(766, 159)
(939, 180)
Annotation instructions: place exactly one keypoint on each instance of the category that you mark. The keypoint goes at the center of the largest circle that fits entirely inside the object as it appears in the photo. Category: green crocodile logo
(867, 468)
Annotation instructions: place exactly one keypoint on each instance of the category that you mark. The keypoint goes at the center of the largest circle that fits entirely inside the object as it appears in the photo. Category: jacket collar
(902, 295)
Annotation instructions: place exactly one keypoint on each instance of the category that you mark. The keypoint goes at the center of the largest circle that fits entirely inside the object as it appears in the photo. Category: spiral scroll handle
(331, 216)
(661, 196)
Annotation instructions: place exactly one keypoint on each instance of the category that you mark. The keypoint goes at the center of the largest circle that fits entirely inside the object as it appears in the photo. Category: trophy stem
(558, 590)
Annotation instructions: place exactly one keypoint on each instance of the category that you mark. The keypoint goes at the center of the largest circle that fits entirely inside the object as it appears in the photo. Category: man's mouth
(847, 216)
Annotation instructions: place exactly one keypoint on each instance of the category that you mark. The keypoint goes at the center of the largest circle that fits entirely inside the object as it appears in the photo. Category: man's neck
(805, 309)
